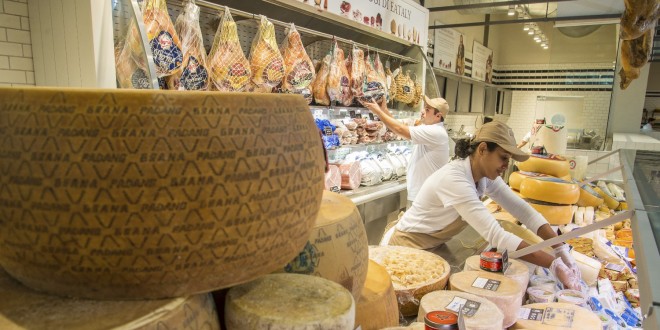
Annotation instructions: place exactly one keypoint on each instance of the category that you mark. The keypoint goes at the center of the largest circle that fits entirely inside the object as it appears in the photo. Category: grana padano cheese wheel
(377, 307)
(553, 165)
(553, 316)
(22, 308)
(551, 190)
(485, 315)
(504, 292)
(413, 272)
(589, 197)
(517, 271)
(516, 178)
(126, 194)
(337, 249)
(555, 214)
(289, 302)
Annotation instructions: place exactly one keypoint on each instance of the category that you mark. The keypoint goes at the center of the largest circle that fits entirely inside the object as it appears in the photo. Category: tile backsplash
(16, 64)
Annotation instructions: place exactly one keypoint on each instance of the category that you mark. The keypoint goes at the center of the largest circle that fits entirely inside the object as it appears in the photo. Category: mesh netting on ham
(265, 59)
(163, 39)
(230, 70)
(194, 74)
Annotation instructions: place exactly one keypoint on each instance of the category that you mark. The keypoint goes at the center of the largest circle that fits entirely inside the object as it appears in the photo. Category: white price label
(486, 283)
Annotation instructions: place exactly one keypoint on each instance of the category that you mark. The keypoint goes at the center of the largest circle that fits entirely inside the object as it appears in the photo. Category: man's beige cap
(439, 104)
(501, 134)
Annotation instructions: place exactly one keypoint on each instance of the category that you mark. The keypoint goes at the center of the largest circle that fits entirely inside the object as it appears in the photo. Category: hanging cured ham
(320, 83)
(358, 72)
(164, 42)
(194, 74)
(637, 25)
(265, 59)
(634, 55)
(338, 87)
(132, 73)
(298, 67)
(230, 70)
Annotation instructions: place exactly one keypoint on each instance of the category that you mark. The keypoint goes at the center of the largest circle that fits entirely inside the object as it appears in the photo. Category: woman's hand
(565, 275)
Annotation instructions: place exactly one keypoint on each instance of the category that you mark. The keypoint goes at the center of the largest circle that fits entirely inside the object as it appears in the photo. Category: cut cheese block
(127, 194)
(589, 215)
(517, 271)
(502, 291)
(22, 308)
(553, 316)
(484, 314)
(555, 214)
(578, 218)
(553, 165)
(551, 190)
(589, 267)
(377, 307)
(516, 178)
(610, 200)
(589, 197)
(413, 272)
(337, 249)
(289, 302)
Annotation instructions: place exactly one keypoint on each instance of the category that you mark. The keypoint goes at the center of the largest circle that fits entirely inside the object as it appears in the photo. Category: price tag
(318, 113)
(533, 314)
(351, 113)
(486, 283)
(371, 116)
(466, 306)
(327, 130)
(505, 261)
(335, 189)
(614, 267)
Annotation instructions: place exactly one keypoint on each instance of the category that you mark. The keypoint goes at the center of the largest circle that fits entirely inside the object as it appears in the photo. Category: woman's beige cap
(501, 134)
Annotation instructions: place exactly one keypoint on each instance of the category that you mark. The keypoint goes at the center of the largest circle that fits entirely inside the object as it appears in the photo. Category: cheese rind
(551, 190)
(487, 317)
(555, 214)
(553, 165)
(559, 316)
(589, 197)
(377, 307)
(516, 178)
(517, 271)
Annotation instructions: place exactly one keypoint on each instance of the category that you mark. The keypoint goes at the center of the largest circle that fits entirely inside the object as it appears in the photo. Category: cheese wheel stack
(487, 316)
(553, 165)
(413, 272)
(502, 291)
(289, 302)
(552, 316)
(517, 270)
(22, 308)
(552, 197)
(337, 248)
(377, 307)
(516, 178)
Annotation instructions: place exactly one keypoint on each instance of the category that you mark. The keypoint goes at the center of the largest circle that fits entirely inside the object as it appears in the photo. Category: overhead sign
(449, 50)
(482, 63)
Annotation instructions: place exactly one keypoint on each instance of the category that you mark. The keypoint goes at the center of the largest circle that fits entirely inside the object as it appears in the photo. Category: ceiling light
(545, 47)
(530, 32)
(543, 44)
(512, 10)
(526, 27)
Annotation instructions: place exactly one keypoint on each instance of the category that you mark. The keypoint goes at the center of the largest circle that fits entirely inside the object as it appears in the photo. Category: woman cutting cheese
(450, 199)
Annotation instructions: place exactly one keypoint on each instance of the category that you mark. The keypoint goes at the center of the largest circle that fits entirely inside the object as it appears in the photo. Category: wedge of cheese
(377, 307)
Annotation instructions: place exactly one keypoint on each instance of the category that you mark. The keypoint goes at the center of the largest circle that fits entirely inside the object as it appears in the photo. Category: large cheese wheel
(553, 316)
(377, 307)
(123, 194)
(289, 302)
(589, 197)
(487, 316)
(517, 271)
(413, 272)
(553, 165)
(22, 308)
(508, 296)
(555, 214)
(337, 249)
(516, 178)
(610, 200)
(551, 190)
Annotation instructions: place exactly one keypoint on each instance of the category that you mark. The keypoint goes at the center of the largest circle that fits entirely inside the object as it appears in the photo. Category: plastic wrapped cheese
(399, 167)
(517, 271)
(371, 172)
(499, 289)
(377, 307)
(350, 175)
(552, 316)
(483, 314)
(413, 272)
(333, 178)
(589, 267)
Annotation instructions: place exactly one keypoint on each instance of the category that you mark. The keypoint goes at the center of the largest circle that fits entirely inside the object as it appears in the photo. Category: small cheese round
(589, 197)
(413, 272)
(553, 165)
(551, 190)
(610, 200)
(555, 214)
(289, 302)
(488, 316)
(507, 296)
(560, 316)
(517, 271)
(377, 307)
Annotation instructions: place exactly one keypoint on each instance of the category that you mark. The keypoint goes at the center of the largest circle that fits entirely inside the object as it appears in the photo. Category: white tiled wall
(600, 166)
(16, 65)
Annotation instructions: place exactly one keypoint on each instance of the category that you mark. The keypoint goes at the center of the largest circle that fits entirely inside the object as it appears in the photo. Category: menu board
(449, 51)
(482, 63)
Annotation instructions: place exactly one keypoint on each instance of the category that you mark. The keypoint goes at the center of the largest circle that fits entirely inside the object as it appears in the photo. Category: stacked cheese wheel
(483, 314)
(22, 308)
(413, 272)
(377, 307)
(337, 248)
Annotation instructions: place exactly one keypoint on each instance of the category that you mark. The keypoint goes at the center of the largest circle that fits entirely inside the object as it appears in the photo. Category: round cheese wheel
(377, 307)
(555, 214)
(610, 200)
(553, 165)
(551, 190)
(552, 316)
(411, 326)
(125, 194)
(589, 197)
(486, 315)
(413, 272)
(502, 291)
(25, 309)
(516, 178)
(337, 249)
(517, 271)
(289, 302)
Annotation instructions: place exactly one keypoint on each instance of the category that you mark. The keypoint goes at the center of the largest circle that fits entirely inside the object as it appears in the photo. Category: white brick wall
(650, 103)
(16, 64)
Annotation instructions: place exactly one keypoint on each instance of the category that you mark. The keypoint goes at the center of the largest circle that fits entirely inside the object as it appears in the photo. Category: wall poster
(482, 63)
(449, 51)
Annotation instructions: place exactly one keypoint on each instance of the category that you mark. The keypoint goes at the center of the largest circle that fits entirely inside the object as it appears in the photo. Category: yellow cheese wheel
(553, 165)
(126, 194)
(589, 197)
(555, 214)
(516, 178)
(337, 249)
(517, 270)
(22, 308)
(610, 200)
(413, 272)
(487, 316)
(499, 289)
(377, 307)
(289, 302)
(552, 316)
(551, 190)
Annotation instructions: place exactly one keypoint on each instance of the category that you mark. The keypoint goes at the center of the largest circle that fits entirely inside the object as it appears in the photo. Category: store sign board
(405, 19)
(482, 63)
(449, 50)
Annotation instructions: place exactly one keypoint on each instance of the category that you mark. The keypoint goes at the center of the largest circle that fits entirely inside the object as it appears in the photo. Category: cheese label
(505, 261)
(532, 314)
(351, 113)
(335, 189)
(327, 130)
(614, 267)
(559, 317)
(486, 283)
(469, 307)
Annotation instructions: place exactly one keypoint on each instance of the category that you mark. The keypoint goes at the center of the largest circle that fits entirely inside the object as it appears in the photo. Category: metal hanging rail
(529, 20)
(492, 4)
(240, 13)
